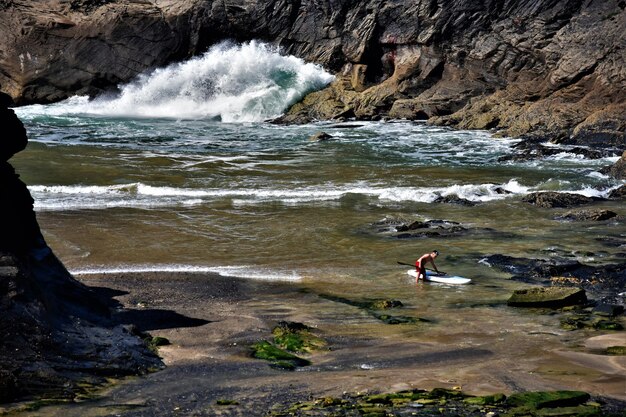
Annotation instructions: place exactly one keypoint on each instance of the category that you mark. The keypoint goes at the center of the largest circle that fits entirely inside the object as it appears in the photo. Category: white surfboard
(444, 279)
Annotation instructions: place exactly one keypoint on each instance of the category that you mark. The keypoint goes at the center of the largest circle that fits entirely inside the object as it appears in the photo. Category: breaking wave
(232, 83)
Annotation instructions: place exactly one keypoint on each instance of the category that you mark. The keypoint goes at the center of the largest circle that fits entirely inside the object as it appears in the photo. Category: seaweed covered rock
(551, 297)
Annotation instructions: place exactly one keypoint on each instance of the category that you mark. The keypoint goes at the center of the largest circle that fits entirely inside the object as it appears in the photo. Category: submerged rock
(551, 297)
(602, 281)
(550, 199)
(453, 199)
(320, 137)
(588, 215)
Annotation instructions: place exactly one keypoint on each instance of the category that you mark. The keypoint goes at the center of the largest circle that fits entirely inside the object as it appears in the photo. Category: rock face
(57, 336)
(551, 68)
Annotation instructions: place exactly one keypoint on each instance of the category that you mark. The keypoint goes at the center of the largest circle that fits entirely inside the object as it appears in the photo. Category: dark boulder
(551, 297)
(603, 282)
(453, 199)
(551, 199)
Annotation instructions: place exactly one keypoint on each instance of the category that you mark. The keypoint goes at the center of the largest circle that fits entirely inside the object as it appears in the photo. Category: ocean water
(180, 171)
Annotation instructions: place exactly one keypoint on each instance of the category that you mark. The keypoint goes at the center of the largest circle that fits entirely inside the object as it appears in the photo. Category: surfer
(420, 264)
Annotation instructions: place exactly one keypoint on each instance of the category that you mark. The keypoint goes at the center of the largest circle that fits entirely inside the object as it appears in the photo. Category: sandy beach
(211, 321)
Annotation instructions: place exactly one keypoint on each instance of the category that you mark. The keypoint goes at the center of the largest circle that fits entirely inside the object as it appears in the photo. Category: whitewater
(179, 170)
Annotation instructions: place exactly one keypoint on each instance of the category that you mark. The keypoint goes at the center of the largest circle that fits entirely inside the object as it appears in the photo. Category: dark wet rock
(530, 150)
(320, 137)
(619, 193)
(551, 297)
(550, 199)
(602, 282)
(58, 337)
(453, 199)
(429, 228)
(588, 215)
(617, 170)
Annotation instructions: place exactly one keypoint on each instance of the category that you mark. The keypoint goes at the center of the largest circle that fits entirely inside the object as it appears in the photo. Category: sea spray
(248, 82)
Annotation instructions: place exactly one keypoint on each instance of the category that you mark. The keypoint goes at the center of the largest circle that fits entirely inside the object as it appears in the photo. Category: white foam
(245, 271)
(235, 83)
(58, 197)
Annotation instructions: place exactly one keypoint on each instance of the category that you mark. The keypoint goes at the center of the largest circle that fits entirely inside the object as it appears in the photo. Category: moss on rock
(616, 350)
(296, 337)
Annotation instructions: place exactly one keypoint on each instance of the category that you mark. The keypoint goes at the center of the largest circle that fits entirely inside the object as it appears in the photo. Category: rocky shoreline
(551, 70)
(545, 71)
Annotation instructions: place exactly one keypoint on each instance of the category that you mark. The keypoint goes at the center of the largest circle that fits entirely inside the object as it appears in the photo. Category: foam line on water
(146, 196)
(244, 271)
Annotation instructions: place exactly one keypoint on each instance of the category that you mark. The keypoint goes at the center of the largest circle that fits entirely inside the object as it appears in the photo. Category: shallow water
(254, 200)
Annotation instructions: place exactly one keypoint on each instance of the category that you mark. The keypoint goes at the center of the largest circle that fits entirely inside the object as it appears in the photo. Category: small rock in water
(320, 137)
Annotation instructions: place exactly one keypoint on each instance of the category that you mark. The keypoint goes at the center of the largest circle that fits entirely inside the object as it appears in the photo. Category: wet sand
(211, 322)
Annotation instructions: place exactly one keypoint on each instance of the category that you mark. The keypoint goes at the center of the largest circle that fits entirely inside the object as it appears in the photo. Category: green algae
(450, 403)
(296, 337)
(547, 399)
(616, 350)
(226, 402)
(279, 357)
(486, 400)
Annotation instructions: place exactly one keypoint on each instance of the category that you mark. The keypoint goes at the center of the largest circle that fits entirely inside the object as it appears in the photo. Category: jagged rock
(551, 297)
(550, 199)
(544, 68)
(617, 170)
(618, 193)
(453, 199)
(588, 215)
(603, 281)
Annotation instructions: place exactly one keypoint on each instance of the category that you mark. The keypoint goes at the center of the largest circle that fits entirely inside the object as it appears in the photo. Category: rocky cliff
(57, 336)
(550, 68)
